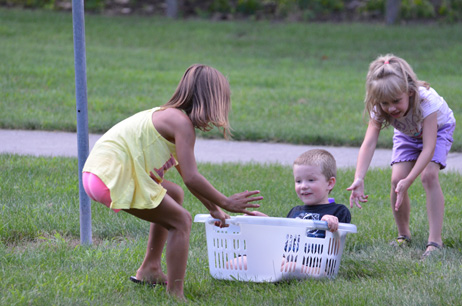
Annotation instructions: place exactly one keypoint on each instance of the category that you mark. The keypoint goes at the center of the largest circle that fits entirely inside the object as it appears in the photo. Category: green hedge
(447, 10)
(292, 10)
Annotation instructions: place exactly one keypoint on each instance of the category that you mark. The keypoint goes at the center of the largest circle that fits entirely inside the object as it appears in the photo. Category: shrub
(298, 10)
(417, 9)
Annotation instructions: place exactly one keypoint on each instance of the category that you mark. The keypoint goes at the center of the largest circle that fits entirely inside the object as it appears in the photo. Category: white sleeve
(374, 116)
(430, 101)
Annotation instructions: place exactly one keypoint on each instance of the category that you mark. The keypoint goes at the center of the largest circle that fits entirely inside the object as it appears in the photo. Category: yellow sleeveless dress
(131, 159)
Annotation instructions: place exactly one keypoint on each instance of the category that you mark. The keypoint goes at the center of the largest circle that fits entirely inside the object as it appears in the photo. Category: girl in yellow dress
(125, 171)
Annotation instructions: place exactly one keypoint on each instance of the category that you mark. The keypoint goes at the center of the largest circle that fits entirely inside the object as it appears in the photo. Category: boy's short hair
(321, 158)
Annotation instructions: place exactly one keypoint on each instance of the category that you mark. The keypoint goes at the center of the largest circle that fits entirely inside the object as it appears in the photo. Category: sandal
(401, 241)
(140, 282)
(436, 247)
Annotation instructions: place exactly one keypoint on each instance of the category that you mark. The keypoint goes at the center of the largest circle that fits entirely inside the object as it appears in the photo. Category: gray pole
(82, 115)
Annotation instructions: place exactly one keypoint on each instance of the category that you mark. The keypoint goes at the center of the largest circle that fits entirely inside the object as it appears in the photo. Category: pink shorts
(96, 189)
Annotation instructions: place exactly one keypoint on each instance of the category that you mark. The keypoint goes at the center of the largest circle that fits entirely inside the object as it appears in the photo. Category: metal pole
(82, 115)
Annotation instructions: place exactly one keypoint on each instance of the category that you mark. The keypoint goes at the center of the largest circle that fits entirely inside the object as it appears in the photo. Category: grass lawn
(290, 82)
(299, 83)
(42, 262)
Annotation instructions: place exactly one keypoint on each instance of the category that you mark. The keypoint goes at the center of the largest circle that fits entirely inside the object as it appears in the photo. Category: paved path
(45, 143)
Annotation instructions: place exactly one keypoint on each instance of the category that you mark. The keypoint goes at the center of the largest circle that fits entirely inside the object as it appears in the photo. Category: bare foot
(178, 298)
(151, 276)
(175, 290)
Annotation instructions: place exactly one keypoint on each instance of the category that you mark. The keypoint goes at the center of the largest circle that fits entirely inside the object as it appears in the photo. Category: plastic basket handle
(309, 224)
(321, 225)
(228, 221)
(318, 225)
(208, 219)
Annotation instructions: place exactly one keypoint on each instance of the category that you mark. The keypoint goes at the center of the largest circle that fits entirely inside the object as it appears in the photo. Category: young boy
(315, 174)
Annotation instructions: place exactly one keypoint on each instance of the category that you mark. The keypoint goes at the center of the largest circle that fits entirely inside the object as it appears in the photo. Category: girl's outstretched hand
(239, 202)
(401, 189)
(357, 193)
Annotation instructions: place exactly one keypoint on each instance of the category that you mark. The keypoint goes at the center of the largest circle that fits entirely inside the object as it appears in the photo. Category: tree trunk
(392, 11)
(172, 8)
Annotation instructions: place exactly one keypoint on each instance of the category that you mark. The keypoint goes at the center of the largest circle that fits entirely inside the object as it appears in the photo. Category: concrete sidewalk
(45, 143)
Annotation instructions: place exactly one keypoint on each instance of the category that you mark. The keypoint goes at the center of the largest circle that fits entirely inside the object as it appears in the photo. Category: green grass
(42, 262)
(298, 83)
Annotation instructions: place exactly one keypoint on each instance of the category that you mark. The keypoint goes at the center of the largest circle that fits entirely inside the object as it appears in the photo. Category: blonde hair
(320, 158)
(389, 77)
(204, 95)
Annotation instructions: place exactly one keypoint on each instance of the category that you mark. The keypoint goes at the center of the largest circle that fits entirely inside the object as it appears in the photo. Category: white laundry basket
(266, 249)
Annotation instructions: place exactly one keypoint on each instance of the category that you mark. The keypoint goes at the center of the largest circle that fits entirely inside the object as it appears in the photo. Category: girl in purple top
(424, 125)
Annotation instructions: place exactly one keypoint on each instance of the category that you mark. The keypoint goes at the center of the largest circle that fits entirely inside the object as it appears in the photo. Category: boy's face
(311, 185)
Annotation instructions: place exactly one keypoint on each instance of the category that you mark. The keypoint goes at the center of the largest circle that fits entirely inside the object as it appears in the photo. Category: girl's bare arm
(366, 152)
(180, 130)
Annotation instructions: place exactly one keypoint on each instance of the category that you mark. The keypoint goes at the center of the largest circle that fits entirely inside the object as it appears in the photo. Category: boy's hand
(332, 222)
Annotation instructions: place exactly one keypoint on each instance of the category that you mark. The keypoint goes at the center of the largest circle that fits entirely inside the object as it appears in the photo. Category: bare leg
(177, 257)
(238, 263)
(435, 203)
(151, 268)
(177, 221)
(400, 171)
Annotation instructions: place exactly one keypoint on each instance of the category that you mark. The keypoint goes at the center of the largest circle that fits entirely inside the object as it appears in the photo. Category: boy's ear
(331, 183)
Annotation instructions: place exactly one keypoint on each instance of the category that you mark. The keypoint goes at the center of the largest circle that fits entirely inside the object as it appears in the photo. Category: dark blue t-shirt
(316, 212)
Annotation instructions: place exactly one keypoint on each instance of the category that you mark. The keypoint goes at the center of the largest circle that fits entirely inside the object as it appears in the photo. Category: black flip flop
(140, 282)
